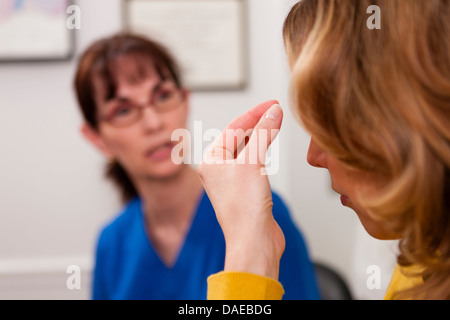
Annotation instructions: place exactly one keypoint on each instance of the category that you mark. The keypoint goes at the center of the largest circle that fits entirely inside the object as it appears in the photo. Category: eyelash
(119, 109)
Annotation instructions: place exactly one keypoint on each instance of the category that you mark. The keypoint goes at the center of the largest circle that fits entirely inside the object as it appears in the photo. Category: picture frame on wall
(35, 30)
(207, 37)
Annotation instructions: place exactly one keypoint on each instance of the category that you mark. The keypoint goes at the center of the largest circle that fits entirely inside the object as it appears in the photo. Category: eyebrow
(156, 87)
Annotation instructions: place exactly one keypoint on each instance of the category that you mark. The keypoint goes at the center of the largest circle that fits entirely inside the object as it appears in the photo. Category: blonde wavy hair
(379, 101)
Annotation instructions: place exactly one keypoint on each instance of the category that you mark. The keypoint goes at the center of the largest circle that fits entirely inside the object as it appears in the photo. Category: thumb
(263, 135)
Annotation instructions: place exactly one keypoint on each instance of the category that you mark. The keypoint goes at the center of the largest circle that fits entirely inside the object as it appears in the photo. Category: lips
(160, 152)
(344, 200)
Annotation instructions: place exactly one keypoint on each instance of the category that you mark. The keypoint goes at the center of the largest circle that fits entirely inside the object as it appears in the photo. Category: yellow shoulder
(403, 279)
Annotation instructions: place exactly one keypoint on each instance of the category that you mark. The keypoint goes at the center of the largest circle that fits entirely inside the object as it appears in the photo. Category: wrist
(242, 262)
(256, 254)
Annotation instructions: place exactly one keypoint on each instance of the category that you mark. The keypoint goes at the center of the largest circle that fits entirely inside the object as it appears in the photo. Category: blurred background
(54, 198)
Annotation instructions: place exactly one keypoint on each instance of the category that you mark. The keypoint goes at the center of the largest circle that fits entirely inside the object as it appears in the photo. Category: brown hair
(379, 101)
(100, 62)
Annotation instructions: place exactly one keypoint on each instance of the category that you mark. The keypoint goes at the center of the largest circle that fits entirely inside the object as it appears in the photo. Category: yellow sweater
(245, 286)
(229, 285)
(401, 281)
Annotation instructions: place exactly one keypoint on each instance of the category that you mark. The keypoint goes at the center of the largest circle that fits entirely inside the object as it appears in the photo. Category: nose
(151, 120)
(316, 156)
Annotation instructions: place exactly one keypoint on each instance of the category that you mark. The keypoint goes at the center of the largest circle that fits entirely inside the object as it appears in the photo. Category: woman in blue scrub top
(166, 240)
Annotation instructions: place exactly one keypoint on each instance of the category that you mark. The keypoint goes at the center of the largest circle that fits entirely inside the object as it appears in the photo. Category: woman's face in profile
(142, 143)
(351, 185)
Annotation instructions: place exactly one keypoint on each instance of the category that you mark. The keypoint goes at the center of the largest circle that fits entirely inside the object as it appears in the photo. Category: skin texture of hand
(240, 192)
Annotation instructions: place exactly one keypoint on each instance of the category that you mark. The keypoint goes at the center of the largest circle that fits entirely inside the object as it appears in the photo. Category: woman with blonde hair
(377, 106)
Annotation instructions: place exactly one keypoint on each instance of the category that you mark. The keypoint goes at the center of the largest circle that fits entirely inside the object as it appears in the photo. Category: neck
(169, 206)
(168, 200)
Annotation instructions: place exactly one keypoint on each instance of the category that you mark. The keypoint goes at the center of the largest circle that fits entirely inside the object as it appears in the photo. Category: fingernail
(274, 112)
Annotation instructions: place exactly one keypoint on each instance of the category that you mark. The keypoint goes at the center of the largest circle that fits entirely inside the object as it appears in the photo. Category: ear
(94, 137)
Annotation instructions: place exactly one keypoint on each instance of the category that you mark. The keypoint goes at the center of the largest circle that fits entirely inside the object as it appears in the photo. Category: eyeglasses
(122, 112)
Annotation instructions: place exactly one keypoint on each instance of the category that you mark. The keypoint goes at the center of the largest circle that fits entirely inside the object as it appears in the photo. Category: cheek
(348, 182)
(177, 119)
(339, 177)
(121, 143)
(353, 185)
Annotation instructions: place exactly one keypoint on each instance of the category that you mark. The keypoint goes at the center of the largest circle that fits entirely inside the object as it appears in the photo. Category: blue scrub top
(127, 266)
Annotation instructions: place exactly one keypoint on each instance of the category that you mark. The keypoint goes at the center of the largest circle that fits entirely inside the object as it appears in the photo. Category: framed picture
(207, 37)
(35, 30)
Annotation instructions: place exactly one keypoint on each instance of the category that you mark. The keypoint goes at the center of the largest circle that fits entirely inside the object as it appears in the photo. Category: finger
(249, 119)
(262, 137)
(226, 145)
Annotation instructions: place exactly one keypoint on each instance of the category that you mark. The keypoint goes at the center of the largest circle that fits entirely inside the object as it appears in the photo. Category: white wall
(54, 199)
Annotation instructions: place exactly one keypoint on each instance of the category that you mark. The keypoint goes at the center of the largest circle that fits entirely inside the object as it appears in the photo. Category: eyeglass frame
(179, 91)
